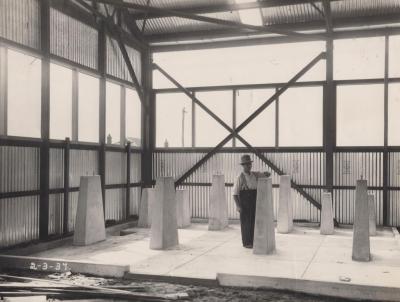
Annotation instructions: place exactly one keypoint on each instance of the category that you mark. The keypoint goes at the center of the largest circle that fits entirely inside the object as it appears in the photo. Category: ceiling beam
(226, 23)
(226, 7)
(303, 26)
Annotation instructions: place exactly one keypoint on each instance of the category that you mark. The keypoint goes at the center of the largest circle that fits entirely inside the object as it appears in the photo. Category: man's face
(247, 167)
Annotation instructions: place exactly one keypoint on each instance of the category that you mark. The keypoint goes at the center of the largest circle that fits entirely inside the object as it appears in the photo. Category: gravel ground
(196, 293)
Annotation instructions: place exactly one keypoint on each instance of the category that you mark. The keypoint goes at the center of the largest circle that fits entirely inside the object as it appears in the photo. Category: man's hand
(239, 209)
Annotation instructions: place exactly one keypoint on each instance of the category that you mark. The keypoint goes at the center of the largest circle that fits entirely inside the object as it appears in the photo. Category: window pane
(133, 118)
(172, 111)
(240, 65)
(360, 115)
(361, 58)
(394, 56)
(24, 95)
(261, 131)
(60, 102)
(88, 108)
(113, 113)
(209, 132)
(300, 117)
(394, 115)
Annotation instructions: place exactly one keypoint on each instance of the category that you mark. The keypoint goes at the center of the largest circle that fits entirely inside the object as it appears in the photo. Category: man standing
(245, 195)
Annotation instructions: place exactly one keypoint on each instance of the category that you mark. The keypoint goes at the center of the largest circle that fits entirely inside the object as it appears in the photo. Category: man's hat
(245, 159)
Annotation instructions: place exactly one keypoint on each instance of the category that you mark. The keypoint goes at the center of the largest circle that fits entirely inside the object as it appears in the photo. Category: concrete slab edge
(53, 265)
(319, 288)
(172, 279)
(37, 247)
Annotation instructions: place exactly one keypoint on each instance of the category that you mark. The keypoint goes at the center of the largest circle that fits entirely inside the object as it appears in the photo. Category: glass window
(394, 115)
(88, 98)
(173, 120)
(133, 118)
(209, 132)
(240, 65)
(113, 113)
(360, 115)
(300, 117)
(60, 102)
(394, 56)
(361, 58)
(261, 131)
(24, 95)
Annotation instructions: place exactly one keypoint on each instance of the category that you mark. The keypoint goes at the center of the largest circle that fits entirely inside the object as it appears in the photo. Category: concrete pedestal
(361, 244)
(264, 232)
(164, 232)
(145, 208)
(218, 205)
(89, 223)
(183, 208)
(372, 215)
(327, 227)
(285, 207)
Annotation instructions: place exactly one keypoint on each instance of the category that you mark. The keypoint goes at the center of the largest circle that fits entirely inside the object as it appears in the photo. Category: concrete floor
(301, 255)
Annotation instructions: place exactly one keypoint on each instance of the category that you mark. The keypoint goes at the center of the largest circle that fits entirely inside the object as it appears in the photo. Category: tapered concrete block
(164, 231)
(327, 227)
(183, 208)
(285, 207)
(218, 205)
(372, 215)
(361, 244)
(145, 208)
(89, 223)
(264, 232)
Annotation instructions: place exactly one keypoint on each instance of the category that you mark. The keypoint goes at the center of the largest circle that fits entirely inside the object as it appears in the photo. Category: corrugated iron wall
(20, 22)
(348, 167)
(19, 173)
(305, 168)
(394, 194)
(73, 40)
(115, 62)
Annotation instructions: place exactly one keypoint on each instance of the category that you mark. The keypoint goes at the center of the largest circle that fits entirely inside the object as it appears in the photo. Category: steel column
(128, 181)
(385, 180)
(75, 105)
(45, 120)
(3, 90)
(66, 185)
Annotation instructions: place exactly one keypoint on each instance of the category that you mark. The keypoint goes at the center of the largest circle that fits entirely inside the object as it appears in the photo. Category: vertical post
(329, 115)
(102, 106)
(148, 121)
(193, 121)
(45, 121)
(386, 204)
(277, 121)
(234, 115)
(3, 91)
(66, 185)
(75, 106)
(122, 132)
(128, 180)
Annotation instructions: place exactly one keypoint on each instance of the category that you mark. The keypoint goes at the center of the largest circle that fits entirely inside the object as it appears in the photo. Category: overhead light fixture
(250, 16)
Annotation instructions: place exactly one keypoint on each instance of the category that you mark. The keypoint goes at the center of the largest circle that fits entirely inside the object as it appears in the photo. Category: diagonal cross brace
(251, 117)
(220, 121)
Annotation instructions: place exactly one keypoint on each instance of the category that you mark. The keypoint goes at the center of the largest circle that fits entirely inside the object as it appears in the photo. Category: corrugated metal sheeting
(116, 64)
(73, 40)
(305, 168)
(19, 216)
(394, 181)
(20, 21)
(348, 167)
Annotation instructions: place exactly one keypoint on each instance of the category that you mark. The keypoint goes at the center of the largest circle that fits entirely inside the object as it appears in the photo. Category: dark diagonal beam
(237, 25)
(117, 35)
(251, 117)
(232, 131)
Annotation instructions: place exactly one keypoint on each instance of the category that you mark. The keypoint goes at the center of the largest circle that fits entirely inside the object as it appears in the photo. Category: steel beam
(201, 18)
(45, 120)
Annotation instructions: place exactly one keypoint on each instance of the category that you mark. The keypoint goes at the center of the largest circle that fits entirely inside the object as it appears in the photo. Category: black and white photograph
(199, 150)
